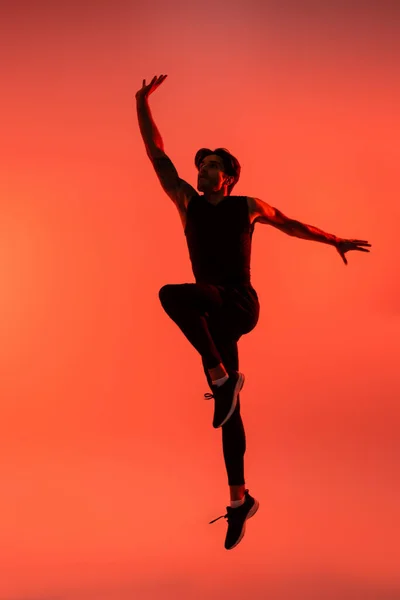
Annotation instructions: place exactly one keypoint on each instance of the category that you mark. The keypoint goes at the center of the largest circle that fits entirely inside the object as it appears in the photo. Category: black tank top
(219, 240)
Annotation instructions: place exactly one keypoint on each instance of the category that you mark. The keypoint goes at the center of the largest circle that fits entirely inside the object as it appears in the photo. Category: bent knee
(164, 293)
(169, 293)
(178, 294)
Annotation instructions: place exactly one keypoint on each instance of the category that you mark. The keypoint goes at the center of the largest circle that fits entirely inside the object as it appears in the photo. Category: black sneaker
(237, 518)
(225, 398)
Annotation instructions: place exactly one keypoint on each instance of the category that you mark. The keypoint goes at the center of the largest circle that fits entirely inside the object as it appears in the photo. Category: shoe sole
(238, 387)
(250, 514)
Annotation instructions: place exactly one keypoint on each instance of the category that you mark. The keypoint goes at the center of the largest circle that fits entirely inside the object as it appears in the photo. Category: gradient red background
(110, 469)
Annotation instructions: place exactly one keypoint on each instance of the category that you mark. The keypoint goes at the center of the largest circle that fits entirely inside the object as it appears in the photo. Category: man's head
(218, 169)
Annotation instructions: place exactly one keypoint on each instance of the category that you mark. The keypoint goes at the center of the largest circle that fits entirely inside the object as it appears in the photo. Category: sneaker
(237, 518)
(225, 397)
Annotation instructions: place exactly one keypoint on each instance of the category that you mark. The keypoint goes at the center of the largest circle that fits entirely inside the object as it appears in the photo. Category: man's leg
(233, 433)
(187, 304)
(242, 505)
(239, 315)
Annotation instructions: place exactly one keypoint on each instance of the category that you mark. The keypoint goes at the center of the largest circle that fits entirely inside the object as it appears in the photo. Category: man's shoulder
(254, 205)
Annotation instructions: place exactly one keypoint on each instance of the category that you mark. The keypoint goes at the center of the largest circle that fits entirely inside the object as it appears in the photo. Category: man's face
(211, 177)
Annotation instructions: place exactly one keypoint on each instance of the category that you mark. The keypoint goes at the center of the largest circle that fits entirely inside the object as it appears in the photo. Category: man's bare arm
(176, 188)
(150, 134)
(272, 216)
(308, 232)
(264, 213)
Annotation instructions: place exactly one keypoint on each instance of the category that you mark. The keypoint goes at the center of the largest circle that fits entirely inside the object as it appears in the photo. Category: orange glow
(111, 470)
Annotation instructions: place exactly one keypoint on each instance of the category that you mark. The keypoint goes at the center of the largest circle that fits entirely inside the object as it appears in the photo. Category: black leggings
(213, 318)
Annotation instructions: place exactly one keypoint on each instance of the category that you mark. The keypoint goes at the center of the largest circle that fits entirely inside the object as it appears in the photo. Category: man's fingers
(342, 256)
(161, 79)
(360, 242)
(150, 84)
(157, 79)
(155, 82)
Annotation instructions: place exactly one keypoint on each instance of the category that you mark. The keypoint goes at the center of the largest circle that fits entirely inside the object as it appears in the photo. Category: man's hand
(343, 246)
(146, 90)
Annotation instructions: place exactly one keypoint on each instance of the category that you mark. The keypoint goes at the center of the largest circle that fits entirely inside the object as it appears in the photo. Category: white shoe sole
(238, 387)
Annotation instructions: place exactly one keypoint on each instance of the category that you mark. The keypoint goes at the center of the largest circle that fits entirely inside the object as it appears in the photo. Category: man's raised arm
(150, 134)
(176, 188)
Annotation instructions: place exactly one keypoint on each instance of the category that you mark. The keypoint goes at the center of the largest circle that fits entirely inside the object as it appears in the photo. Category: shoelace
(221, 517)
(228, 515)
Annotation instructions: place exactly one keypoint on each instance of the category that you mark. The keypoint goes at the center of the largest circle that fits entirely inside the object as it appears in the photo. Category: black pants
(213, 318)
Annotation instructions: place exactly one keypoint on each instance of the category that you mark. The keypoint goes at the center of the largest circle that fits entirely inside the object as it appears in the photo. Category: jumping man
(222, 305)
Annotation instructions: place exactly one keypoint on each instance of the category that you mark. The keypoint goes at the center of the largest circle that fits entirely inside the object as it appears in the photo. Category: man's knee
(186, 295)
(170, 294)
(165, 293)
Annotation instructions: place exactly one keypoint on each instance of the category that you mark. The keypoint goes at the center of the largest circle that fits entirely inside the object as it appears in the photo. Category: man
(222, 305)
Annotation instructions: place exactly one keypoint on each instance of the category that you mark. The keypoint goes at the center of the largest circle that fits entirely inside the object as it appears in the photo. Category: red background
(110, 469)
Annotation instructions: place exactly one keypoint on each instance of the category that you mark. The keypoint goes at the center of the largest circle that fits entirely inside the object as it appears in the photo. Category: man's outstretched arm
(264, 213)
(270, 215)
(306, 232)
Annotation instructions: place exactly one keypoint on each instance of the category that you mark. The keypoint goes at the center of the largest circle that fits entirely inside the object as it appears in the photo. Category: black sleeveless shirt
(219, 240)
